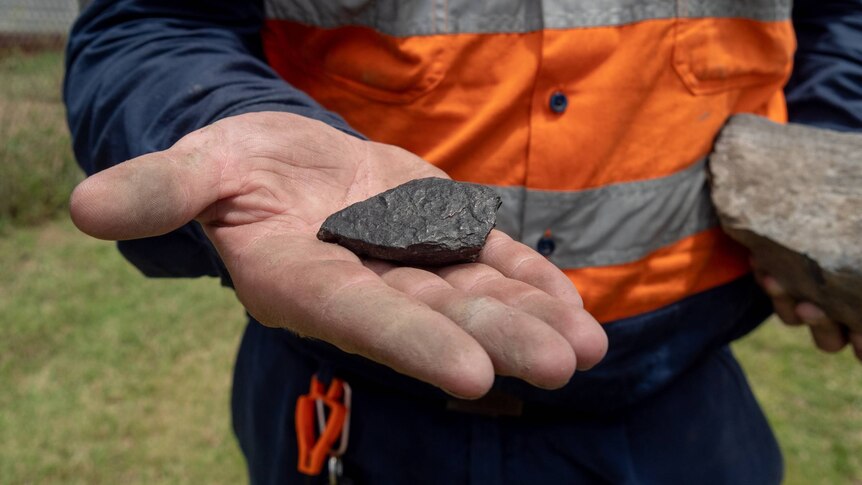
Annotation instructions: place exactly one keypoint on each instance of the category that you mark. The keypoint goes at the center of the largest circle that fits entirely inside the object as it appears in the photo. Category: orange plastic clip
(315, 447)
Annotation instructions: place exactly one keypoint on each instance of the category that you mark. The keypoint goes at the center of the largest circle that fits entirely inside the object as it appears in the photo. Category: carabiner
(316, 445)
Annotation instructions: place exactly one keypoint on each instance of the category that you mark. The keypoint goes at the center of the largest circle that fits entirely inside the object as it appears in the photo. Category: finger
(828, 338)
(517, 261)
(759, 272)
(577, 326)
(856, 342)
(783, 304)
(828, 335)
(342, 302)
(149, 195)
(518, 344)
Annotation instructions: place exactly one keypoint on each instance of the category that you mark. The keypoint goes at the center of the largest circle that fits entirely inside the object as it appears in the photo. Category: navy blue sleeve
(141, 74)
(826, 86)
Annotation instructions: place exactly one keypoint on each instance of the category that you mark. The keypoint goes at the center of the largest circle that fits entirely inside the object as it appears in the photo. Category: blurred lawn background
(108, 377)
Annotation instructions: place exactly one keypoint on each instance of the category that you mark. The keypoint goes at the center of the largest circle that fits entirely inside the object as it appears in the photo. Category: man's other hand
(829, 335)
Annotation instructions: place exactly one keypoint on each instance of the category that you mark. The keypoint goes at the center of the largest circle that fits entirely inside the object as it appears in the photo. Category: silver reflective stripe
(764, 10)
(561, 14)
(567, 15)
(409, 18)
(393, 17)
(610, 225)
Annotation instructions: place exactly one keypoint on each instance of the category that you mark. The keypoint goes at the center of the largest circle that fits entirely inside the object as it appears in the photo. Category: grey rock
(425, 222)
(793, 195)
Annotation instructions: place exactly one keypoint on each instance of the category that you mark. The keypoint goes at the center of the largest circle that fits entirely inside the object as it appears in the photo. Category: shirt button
(558, 102)
(546, 244)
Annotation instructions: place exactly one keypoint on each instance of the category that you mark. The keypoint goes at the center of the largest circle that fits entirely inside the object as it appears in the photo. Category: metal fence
(35, 156)
(27, 24)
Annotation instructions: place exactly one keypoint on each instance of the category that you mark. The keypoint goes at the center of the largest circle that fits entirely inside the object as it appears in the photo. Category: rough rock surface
(425, 222)
(793, 195)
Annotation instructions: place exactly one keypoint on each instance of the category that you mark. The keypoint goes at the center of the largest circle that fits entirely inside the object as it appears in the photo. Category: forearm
(141, 74)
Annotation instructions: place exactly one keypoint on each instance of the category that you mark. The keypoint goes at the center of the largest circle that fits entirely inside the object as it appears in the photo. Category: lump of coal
(425, 222)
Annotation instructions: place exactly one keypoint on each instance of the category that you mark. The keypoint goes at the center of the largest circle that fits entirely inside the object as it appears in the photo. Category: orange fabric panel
(473, 122)
(692, 265)
(721, 54)
(631, 115)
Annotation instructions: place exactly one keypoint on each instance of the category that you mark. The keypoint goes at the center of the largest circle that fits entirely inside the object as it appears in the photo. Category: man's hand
(829, 335)
(261, 185)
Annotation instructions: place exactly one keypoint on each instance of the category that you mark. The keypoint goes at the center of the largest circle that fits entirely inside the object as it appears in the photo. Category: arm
(140, 75)
(825, 90)
(148, 73)
(259, 184)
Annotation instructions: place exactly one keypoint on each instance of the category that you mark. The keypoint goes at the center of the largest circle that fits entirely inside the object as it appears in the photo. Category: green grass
(109, 377)
(812, 399)
(38, 168)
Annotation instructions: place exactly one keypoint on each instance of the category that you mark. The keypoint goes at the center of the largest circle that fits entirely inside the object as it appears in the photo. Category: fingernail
(810, 314)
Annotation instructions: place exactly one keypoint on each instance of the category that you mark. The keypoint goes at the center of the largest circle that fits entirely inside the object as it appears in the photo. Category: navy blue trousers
(668, 405)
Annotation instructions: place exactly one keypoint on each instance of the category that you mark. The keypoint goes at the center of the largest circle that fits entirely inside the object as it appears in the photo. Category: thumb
(149, 195)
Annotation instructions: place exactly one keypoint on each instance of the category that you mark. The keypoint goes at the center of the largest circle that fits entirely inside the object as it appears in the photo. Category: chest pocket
(745, 44)
(380, 49)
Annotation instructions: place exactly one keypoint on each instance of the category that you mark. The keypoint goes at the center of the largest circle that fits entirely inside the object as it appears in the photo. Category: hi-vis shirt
(593, 119)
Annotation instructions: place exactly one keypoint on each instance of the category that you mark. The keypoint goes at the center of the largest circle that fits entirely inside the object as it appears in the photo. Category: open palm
(261, 185)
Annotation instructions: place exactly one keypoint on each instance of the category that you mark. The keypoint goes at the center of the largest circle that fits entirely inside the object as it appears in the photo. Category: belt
(495, 403)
